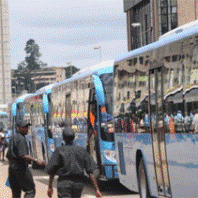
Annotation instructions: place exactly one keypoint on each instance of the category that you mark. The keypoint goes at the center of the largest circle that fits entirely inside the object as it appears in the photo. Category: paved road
(112, 189)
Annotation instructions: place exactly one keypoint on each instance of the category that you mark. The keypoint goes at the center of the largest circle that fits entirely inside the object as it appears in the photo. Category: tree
(22, 66)
(23, 74)
(33, 54)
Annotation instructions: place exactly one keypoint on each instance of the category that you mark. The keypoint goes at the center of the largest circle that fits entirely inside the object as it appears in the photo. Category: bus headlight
(110, 155)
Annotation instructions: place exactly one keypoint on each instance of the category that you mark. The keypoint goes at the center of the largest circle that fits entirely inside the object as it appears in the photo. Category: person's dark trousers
(69, 189)
(4, 147)
(21, 180)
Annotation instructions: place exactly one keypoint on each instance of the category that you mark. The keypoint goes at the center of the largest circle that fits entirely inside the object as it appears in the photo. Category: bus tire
(142, 181)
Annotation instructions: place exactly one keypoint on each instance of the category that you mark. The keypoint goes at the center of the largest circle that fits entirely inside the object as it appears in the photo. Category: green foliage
(32, 61)
(24, 73)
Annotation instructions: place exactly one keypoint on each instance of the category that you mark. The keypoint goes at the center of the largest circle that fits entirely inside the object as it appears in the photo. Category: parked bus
(35, 109)
(85, 102)
(156, 116)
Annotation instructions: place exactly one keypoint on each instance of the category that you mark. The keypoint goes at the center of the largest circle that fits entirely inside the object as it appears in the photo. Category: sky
(68, 30)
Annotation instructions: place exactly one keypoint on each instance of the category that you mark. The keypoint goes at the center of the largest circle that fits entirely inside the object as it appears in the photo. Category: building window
(173, 14)
(164, 16)
(168, 15)
(141, 13)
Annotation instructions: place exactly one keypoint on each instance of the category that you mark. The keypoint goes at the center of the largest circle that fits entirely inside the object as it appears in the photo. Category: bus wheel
(142, 181)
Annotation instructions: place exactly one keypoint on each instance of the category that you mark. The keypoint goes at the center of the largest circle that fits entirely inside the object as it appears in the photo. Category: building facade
(5, 69)
(38, 78)
(149, 19)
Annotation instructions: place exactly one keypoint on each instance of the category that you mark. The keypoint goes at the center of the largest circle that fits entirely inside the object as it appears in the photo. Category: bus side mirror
(45, 104)
(14, 109)
(100, 97)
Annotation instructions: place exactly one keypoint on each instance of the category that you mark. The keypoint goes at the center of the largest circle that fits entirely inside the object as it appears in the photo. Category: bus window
(106, 112)
(173, 99)
(141, 103)
(191, 96)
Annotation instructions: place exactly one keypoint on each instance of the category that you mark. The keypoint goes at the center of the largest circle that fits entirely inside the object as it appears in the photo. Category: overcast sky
(67, 30)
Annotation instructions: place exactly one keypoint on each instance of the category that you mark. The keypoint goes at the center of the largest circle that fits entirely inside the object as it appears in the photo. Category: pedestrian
(69, 162)
(20, 176)
(179, 121)
(2, 143)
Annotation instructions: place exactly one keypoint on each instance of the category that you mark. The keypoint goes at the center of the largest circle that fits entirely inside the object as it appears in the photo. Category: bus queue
(137, 116)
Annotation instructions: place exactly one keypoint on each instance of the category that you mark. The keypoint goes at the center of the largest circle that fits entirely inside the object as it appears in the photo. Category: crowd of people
(177, 123)
(174, 122)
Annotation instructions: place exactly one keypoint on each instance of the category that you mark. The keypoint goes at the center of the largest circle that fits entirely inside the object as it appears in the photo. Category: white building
(5, 70)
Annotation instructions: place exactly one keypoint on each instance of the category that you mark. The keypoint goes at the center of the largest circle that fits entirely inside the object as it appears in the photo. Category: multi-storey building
(149, 19)
(39, 78)
(5, 74)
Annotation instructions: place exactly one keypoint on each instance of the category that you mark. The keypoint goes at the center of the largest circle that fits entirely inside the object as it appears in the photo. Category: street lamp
(135, 25)
(100, 51)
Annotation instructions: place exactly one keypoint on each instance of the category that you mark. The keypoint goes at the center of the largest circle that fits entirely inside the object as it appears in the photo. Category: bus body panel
(38, 134)
(182, 154)
(108, 161)
(132, 143)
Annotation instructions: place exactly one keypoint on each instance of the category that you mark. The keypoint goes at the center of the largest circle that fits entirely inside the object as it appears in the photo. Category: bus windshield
(107, 130)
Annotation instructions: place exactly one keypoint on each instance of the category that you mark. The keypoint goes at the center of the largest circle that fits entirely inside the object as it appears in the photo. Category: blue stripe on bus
(105, 70)
(121, 158)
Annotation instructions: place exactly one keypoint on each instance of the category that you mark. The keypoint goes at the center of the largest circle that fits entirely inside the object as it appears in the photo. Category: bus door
(92, 135)
(157, 131)
(68, 107)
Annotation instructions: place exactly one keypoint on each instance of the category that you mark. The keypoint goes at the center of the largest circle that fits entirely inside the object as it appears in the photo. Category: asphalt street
(112, 189)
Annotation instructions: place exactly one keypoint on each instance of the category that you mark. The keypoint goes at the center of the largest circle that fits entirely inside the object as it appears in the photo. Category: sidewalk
(41, 181)
(5, 191)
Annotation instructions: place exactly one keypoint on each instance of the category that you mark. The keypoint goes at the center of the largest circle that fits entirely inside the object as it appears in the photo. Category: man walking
(20, 176)
(2, 143)
(69, 162)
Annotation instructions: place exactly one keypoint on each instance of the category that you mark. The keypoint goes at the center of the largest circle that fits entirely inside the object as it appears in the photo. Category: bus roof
(186, 33)
(101, 68)
(45, 89)
(21, 98)
(95, 67)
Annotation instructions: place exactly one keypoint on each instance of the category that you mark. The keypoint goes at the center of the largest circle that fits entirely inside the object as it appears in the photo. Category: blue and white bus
(35, 109)
(156, 116)
(85, 101)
